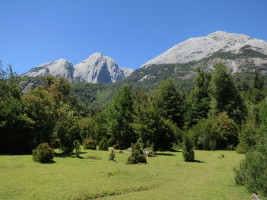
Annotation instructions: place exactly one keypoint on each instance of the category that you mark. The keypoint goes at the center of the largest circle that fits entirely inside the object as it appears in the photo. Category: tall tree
(198, 102)
(169, 102)
(153, 130)
(120, 117)
(15, 125)
(226, 97)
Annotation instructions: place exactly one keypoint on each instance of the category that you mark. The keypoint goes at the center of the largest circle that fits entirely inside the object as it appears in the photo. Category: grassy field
(166, 176)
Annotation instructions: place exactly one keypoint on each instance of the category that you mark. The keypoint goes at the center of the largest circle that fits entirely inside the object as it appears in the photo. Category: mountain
(239, 52)
(56, 68)
(95, 69)
(99, 69)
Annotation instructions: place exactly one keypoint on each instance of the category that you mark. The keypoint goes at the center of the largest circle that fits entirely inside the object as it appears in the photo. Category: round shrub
(137, 155)
(103, 145)
(43, 154)
(89, 144)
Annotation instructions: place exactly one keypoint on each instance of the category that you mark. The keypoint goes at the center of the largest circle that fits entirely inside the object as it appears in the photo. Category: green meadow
(92, 176)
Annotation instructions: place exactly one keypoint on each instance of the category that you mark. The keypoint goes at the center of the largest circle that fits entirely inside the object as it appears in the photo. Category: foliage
(137, 155)
(169, 103)
(198, 101)
(89, 144)
(103, 144)
(218, 132)
(225, 95)
(188, 151)
(120, 117)
(247, 137)
(252, 171)
(67, 131)
(153, 130)
(43, 154)
(15, 125)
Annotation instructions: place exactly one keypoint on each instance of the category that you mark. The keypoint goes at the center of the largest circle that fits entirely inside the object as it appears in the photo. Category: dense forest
(218, 113)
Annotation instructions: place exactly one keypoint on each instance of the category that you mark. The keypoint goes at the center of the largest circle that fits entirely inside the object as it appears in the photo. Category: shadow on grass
(199, 161)
(64, 155)
(165, 154)
(174, 150)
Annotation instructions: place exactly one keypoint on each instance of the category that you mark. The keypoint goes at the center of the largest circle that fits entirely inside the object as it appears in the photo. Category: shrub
(111, 155)
(188, 152)
(89, 144)
(103, 145)
(137, 155)
(43, 154)
(252, 171)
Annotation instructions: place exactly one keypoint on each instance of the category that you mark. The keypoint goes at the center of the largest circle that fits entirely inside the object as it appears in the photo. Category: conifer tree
(225, 96)
(120, 117)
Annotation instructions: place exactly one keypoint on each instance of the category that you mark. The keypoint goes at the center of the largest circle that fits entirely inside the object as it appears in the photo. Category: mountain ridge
(97, 68)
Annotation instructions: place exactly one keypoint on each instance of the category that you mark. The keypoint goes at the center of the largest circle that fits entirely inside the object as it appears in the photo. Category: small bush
(188, 152)
(43, 154)
(89, 144)
(137, 155)
(103, 145)
(112, 155)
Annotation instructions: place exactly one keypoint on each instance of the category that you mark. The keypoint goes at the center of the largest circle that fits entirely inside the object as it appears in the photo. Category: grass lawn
(166, 176)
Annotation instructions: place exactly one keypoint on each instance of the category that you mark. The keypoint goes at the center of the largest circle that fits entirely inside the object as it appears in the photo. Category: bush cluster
(43, 154)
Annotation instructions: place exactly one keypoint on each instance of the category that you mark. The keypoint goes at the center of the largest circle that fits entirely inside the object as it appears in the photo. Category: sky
(131, 32)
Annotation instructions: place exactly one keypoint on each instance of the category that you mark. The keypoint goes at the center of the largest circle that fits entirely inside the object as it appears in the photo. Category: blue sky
(131, 32)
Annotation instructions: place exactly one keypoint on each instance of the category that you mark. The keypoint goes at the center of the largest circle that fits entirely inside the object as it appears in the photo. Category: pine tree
(169, 102)
(225, 96)
(198, 102)
(120, 117)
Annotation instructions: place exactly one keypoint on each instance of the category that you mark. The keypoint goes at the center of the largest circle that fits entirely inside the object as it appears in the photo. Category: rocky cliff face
(95, 69)
(238, 51)
(99, 69)
(56, 68)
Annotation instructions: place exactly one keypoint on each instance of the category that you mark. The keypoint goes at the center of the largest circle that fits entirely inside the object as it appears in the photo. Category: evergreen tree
(198, 102)
(188, 152)
(169, 102)
(226, 97)
(120, 117)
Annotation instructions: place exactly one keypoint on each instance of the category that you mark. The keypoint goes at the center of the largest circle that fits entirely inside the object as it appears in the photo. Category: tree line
(216, 114)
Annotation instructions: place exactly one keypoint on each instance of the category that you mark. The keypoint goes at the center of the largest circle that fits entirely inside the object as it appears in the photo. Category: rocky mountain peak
(95, 69)
(60, 67)
(99, 68)
(195, 49)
